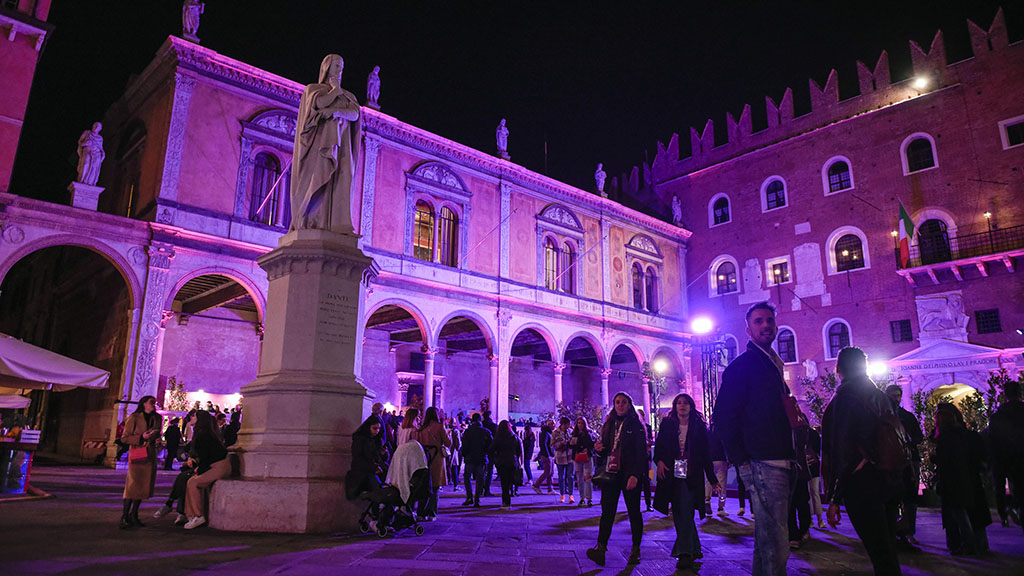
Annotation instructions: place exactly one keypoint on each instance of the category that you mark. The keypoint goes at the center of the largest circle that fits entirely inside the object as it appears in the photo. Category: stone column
(646, 392)
(559, 366)
(499, 405)
(605, 374)
(492, 388)
(428, 375)
(403, 393)
(439, 393)
(300, 412)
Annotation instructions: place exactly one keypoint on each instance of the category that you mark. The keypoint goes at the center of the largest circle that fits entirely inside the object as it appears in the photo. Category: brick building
(803, 213)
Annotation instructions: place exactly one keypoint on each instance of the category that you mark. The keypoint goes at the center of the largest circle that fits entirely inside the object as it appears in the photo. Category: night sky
(597, 81)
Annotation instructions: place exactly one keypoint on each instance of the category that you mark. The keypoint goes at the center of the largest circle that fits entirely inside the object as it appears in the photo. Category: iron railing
(946, 249)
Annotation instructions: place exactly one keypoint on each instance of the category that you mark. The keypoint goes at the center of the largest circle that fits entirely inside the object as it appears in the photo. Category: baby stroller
(408, 482)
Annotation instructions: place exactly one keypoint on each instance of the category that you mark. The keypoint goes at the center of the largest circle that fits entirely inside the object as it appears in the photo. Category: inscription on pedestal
(336, 318)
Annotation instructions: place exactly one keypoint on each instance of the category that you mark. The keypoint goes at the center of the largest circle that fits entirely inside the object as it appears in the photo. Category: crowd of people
(866, 457)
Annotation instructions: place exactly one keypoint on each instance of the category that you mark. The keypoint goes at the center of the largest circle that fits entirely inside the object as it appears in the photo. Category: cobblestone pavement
(76, 533)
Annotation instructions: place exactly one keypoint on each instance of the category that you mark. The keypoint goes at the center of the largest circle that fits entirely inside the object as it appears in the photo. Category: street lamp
(988, 221)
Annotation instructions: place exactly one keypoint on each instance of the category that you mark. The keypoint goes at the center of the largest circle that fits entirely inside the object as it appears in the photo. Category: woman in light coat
(434, 439)
(141, 430)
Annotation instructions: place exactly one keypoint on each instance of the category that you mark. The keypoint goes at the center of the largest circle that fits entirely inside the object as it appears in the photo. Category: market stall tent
(23, 365)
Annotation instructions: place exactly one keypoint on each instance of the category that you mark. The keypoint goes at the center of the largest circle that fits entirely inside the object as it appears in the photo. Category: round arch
(903, 152)
(635, 348)
(672, 358)
(595, 343)
(477, 319)
(417, 315)
(711, 209)
(713, 275)
(833, 239)
(764, 192)
(553, 348)
(824, 174)
(935, 213)
(257, 295)
(104, 250)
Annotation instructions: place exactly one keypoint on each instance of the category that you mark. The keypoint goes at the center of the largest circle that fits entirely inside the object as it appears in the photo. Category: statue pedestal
(190, 37)
(85, 196)
(300, 412)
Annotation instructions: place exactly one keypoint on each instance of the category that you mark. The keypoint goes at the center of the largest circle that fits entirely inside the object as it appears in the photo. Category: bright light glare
(660, 366)
(388, 406)
(877, 369)
(701, 325)
(920, 83)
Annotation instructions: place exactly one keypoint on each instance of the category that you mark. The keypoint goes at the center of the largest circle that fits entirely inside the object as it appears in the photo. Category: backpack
(891, 446)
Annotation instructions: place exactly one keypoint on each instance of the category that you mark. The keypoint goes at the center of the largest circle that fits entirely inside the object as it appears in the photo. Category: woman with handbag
(624, 444)
(209, 458)
(142, 435)
(683, 456)
(506, 450)
(582, 444)
(433, 435)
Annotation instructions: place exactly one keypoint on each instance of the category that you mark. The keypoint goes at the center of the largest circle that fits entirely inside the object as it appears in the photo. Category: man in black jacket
(871, 495)
(911, 475)
(1006, 437)
(172, 439)
(491, 427)
(750, 418)
(476, 442)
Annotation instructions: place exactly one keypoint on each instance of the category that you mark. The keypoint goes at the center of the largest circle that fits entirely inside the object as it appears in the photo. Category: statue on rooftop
(326, 149)
(599, 177)
(373, 88)
(501, 135)
(677, 211)
(190, 12)
(90, 155)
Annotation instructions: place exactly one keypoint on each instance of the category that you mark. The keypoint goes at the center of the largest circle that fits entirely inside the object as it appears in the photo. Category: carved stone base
(300, 412)
(190, 37)
(85, 196)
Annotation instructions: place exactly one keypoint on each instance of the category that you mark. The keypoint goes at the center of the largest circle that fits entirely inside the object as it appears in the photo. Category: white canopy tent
(23, 366)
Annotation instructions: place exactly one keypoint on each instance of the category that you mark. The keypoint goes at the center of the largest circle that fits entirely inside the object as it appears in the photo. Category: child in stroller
(408, 482)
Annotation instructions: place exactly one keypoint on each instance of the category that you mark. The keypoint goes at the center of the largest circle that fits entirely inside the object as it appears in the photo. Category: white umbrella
(23, 365)
(14, 401)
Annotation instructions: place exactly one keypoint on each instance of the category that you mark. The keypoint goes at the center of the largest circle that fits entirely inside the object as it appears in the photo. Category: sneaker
(634, 556)
(722, 512)
(596, 554)
(741, 512)
(589, 502)
(821, 524)
(571, 499)
(561, 499)
(180, 520)
(582, 503)
(163, 511)
(794, 545)
(195, 522)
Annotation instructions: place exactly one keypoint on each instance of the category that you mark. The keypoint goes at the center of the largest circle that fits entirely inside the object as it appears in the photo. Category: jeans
(546, 473)
(872, 507)
(584, 471)
(722, 474)
(488, 478)
(684, 503)
(527, 454)
(815, 489)
(770, 489)
(505, 474)
(610, 504)
(565, 479)
(476, 472)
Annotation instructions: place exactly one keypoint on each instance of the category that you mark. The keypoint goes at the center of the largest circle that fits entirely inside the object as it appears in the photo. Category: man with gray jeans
(751, 420)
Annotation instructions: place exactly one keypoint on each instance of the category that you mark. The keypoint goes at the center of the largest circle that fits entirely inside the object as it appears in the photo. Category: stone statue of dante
(599, 177)
(190, 11)
(90, 155)
(373, 87)
(501, 135)
(326, 149)
(677, 211)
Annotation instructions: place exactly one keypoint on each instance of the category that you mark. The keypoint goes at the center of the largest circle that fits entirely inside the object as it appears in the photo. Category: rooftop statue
(599, 177)
(190, 12)
(326, 148)
(677, 211)
(90, 155)
(501, 135)
(373, 88)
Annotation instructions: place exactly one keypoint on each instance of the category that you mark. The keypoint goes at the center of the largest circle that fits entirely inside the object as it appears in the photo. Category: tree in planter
(593, 414)
(177, 398)
(818, 393)
(924, 404)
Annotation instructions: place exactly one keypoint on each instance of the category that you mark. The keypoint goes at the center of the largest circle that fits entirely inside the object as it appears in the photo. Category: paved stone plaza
(76, 533)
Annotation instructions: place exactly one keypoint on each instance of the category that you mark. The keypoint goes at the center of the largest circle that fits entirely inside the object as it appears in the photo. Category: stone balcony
(964, 256)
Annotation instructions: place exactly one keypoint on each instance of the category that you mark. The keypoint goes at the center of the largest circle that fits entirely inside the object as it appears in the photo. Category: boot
(135, 513)
(634, 556)
(597, 553)
(126, 519)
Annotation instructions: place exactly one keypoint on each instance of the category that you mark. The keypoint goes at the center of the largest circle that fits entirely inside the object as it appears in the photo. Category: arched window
(849, 253)
(550, 264)
(266, 172)
(638, 287)
(726, 278)
(568, 270)
(933, 242)
(838, 337)
(720, 211)
(651, 290)
(785, 345)
(773, 194)
(920, 155)
(839, 176)
(730, 349)
(423, 232)
(448, 237)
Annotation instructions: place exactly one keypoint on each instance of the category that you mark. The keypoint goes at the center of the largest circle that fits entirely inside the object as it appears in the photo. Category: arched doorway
(462, 368)
(626, 375)
(933, 242)
(211, 345)
(531, 380)
(393, 359)
(75, 302)
(581, 377)
(665, 365)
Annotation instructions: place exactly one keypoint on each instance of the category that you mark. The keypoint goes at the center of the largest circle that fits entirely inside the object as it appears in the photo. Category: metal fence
(945, 249)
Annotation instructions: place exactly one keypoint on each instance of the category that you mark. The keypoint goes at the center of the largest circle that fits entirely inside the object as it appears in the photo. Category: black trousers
(610, 503)
(872, 504)
(800, 510)
(505, 475)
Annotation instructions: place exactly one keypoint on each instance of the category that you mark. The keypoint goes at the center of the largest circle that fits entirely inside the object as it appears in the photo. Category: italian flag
(906, 230)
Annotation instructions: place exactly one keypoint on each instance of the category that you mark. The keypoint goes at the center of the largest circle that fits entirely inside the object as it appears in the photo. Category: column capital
(493, 359)
(165, 316)
(429, 351)
(606, 373)
(559, 366)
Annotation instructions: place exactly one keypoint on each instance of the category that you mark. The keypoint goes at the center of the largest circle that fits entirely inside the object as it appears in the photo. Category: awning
(26, 366)
(14, 401)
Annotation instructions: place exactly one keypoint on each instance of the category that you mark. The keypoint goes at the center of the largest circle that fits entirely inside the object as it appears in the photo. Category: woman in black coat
(506, 453)
(683, 436)
(624, 443)
(958, 459)
(368, 461)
